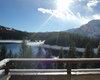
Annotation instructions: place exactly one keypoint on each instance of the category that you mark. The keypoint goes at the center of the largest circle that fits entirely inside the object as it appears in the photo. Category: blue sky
(47, 15)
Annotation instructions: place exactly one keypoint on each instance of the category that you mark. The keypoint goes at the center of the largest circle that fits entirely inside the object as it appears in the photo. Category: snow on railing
(10, 41)
(3, 62)
(30, 43)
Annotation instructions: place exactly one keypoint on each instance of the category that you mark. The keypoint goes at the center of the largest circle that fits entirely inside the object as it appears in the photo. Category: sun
(63, 5)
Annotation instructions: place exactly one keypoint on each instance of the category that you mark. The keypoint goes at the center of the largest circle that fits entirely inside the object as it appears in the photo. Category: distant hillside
(91, 29)
(10, 33)
(64, 39)
(51, 38)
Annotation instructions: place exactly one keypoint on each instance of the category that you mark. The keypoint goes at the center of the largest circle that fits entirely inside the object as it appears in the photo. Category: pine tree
(3, 52)
(61, 55)
(48, 54)
(30, 53)
(97, 65)
(98, 52)
(10, 54)
(48, 64)
(89, 53)
(23, 54)
(71, 51)
(39, 53)
(23, 49)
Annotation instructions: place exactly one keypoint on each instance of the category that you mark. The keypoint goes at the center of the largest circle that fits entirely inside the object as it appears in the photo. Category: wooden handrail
(54, 70)
(70, 61)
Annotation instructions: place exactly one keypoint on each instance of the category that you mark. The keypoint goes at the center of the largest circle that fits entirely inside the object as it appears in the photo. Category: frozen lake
(15, 45)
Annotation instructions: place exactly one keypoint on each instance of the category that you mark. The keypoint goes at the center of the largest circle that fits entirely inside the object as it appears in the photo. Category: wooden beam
(71, 60)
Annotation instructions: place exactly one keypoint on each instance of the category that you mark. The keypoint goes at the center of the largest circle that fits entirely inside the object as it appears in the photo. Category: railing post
(69, 71)
(7, 67)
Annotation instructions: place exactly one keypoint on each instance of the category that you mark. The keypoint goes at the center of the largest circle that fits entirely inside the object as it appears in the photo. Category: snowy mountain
(91, 29)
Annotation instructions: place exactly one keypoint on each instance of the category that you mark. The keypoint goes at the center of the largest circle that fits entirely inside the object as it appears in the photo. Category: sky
(47, 15)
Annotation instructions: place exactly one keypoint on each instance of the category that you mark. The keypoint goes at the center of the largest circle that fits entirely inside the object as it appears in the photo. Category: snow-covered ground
(36, 43)
(64, 48)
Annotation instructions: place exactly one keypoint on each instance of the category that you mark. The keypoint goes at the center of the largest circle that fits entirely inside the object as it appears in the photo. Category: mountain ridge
(91, 29)
(11, 33)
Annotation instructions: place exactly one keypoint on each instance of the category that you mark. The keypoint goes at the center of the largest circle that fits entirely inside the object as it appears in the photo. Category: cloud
(96, 16)
(80, 0)
(68, 15)
(92, 3)
(44, 10)
(52, 12)
(82, 19)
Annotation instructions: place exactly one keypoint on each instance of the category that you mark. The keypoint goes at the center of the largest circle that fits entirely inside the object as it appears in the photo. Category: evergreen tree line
(26, 52)
(4, 54)
(88, 53)
(64, 39)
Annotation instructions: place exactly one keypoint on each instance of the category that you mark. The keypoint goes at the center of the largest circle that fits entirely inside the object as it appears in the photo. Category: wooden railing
(5, 64)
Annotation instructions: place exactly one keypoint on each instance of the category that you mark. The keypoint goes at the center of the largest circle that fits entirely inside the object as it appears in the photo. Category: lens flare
(63, 5)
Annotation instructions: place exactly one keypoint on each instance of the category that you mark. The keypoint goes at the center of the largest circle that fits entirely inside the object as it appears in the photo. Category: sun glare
(62, 5)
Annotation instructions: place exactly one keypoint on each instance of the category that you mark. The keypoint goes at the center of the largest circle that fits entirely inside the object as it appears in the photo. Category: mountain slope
(51, 38)
(10, 33)
(91, 29)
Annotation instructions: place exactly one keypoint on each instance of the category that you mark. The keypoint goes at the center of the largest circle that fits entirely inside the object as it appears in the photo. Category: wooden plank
(7, 67)
(36, 77)
(69, 71)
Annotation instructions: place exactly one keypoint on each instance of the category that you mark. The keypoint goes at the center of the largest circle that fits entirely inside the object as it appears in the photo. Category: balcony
(9, 73)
